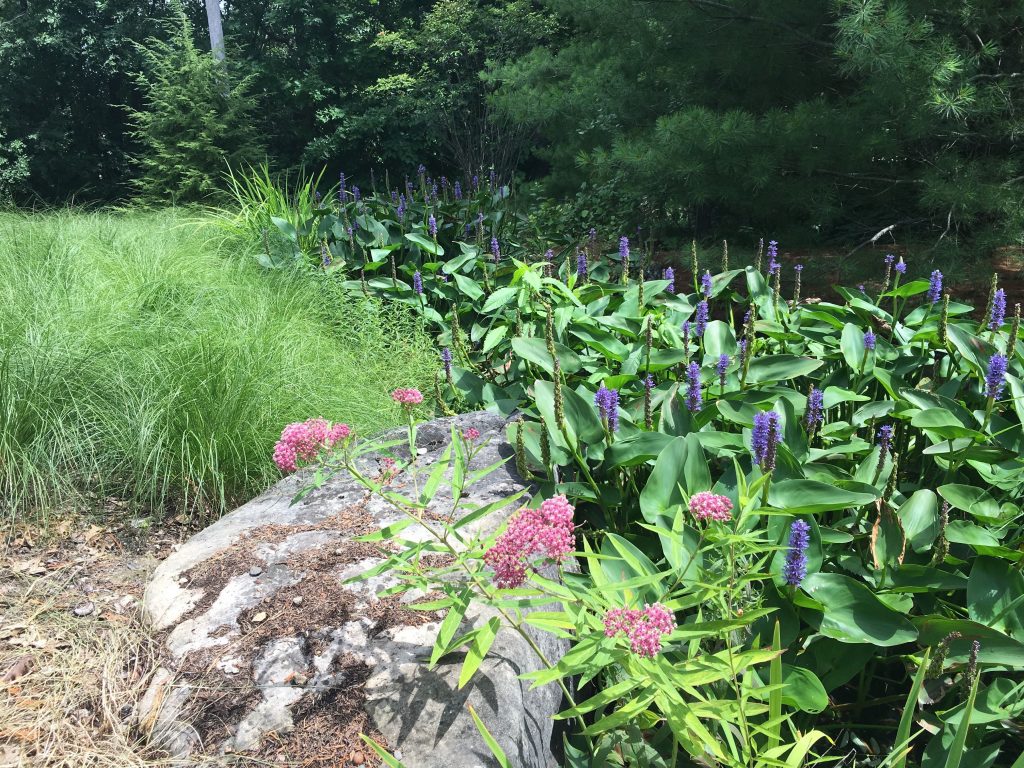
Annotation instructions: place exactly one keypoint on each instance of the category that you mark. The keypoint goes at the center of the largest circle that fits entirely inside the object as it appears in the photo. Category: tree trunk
(216, 30)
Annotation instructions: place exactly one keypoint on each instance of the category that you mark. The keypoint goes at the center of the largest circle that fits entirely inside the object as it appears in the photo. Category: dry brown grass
(74, 708)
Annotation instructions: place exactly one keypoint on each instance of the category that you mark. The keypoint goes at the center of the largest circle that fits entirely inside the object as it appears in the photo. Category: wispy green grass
(144, 356)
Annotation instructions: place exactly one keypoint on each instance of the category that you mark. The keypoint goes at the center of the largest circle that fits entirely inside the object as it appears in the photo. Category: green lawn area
(147, 357)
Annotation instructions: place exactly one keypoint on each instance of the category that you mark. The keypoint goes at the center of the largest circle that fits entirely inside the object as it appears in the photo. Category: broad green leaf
(920, 517)
(780, 368)
(425, 244)
(536, 351)
(854, 615)
(663, 492)
(811, 496)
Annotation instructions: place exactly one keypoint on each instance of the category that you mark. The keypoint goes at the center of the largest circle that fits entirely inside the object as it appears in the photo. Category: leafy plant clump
(821, 493)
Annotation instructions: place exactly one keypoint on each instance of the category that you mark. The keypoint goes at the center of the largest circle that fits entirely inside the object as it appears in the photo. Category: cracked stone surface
(224, 628)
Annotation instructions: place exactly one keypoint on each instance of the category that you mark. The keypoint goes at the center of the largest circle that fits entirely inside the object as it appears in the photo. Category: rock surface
(262, 643)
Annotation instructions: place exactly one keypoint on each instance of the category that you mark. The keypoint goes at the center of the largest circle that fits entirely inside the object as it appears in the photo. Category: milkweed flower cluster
(711, 506)
(765, 439)
(471, 434)
(935, 287)
(607, 402)
(995, 378)
(546, 533)
(303, 441)
(644, 628)
(795, 568)
(407, 396)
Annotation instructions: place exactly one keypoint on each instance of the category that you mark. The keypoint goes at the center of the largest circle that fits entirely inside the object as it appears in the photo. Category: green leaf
(852, 613)
(811, 496)
(781, 368)
(663, 492)
(478, 649)
(901, 746)
(425, 244)
(995, 596)
(852, 346)
(973, 500)
(499, 299)
(490, 741)
(920, 517)
(382, 753)
(536, 351)
(494, 338)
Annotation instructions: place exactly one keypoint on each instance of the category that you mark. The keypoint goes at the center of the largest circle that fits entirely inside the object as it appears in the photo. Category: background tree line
(826, 120)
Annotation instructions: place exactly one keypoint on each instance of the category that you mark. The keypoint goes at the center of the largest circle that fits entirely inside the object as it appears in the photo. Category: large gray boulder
(264, 650)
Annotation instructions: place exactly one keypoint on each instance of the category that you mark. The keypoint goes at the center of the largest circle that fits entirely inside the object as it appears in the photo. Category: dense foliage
(821, 493)
(824, 120)
(831, 117)
(196, 121)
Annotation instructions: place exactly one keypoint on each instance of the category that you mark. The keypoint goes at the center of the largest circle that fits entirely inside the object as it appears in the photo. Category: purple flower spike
(705, 284)
(935, 287)
(686, 331)
(607, 402)
(581, 265)
(795, 568)
(815, 409)
(694, 395)
(885, 439)
(624, 249)
(995, 379)
(356, 194)
(432, 226)
(901, 267)
(700, 324)
(446, 359)
(670, 275)
(417, 282)
(889, 259)
(869, 339)
(998, 314)
(649, 382)
(495, 250)
(549, 254)
(720, 368)
(765, 439)
(458, 191)
(798, 268)
(401, 208)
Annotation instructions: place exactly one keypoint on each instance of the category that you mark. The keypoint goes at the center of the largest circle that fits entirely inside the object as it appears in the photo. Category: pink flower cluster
(471, 434)
(407, 397)
(710, 506)
(643, 628)
(546, 532)
(303, 440)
